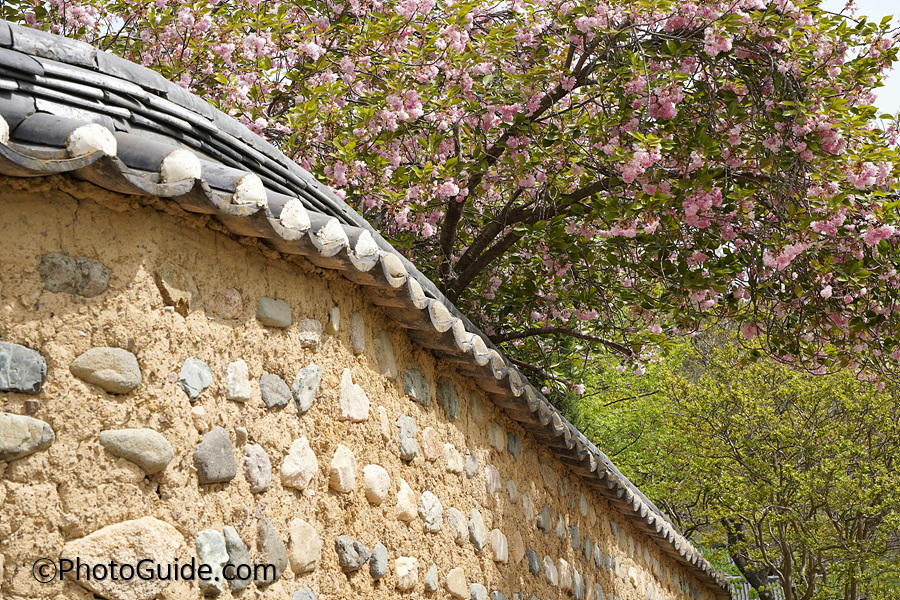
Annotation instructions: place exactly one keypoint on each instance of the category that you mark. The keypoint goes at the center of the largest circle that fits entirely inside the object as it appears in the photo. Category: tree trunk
(737, 543)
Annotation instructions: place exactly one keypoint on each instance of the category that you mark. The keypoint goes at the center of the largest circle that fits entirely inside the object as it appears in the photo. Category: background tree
(580, 177)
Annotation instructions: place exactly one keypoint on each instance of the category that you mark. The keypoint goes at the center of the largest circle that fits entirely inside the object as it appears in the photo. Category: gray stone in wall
(447, 396)
(309, 333)
(305, 386)
(431, 512)
(195, 377)
(21, 369)
(613, 527)
(492, 479)
(384, 355)
(352, 555)
(214, 459)
(378, 561)
(146, 448)
(544, 520)
(73, 275)
(257, 468)
(275, 392)
(271, 550)
(211, 551)
(560, 526)
(273, 313)
(477, 531)
(113, 369)
(514, 444)
(577, 584)
(304, 594)
(406, 427)
(237, 556)
(237, 381)
(477, 592)
(576, 537)
(598, 557)
(21, 436)
(586, 548)
(431, 579)
(607, 562)
(357, 333)
(471, 466)
(459, 527)
(416, 387)
(598, 595)
(496, 595)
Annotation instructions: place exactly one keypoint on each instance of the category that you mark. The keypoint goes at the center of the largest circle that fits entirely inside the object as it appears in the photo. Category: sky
(888, 96)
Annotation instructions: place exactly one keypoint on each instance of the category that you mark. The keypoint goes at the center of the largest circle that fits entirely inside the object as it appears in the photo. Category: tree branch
(535, 331)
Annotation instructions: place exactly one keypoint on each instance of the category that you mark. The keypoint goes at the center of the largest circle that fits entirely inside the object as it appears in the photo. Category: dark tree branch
(568, 331)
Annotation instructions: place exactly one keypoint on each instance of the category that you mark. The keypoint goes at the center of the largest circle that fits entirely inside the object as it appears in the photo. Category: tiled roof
(72, 109)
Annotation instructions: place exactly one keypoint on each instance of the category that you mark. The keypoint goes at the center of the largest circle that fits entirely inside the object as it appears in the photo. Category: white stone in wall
(431, 578)
(516, 547)
(527, 507)
(456, 584)
(357, 333)
(565, 575)
(377, 483)
(632, 576)
(492, 477)
(384, 425)
(406, 502)
(305, 545)
(583, 505)
(237, 381)
(300, 465)
(198, 418)
(309, 333)
(550, 571)
(453, 459)
(560, 526)
(431, 512)
(334, 320)
(354, 404)
(431, 445)
(496, 436)
(512, 490)
(407, 570)
(459, 526)
(384, 355)
(499, 546)
(212, 552)
(342, 472)
(477, 531)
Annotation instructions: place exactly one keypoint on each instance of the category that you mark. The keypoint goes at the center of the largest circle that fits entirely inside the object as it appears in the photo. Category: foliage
(579, 176)
(796, 475)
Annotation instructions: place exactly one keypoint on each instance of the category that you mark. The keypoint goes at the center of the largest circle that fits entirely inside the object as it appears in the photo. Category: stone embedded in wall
(459, 526)
(352, 554)
(516, 547)
(560, 526)
(378, 561)
(305, 387)
(544, 520)
(113, 369)
(534, 561)
(309, 333)
(377, 483)
(496, 595)
(237, 381)
(342, 472)
(499, 546)
(353, 403)
(357, 333)
(431, 512)
(575, 534)
(477, 531)
(586, 548)
(212, 552)
(306, 547)
(334, 320)
(273, 313)
(228, 304)
(214, 458)
(492, 478)
(416, 387)
(512, 490)
(257, 468)
(73, 275)
(274, 391)
(195, 377)
(146, 448)
(384, 355)
(453, 459)
(477, 592)
(477, 409)
(548, 474)
(127, 542)
(514, 444)
(238, 556)
(383, 425)
(21, 369)
(471, 465)
(563, 484)
(304, 594)
(406, 428)
(456, 583)
(300, 465)
(21, 436)
(607, 562)
(271, 551)
(431, 579)
(527, 506)
(447, 396)
(198, 417)
(577, 585)
(565, 575)
(431, 445)
(177, 287)
(583, 505)
(407, 571)
(406, 502)
(550, 571)
(496, 436)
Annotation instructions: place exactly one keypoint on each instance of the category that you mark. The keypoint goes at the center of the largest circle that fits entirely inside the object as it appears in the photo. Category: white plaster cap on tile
(441, 317)
(480, 351)
(294, 216)
(366, 254)
(91, 138)
(4, 131)
(394, 271)
(416, 294)
(178, 165)
(250, 191)
(331, 238)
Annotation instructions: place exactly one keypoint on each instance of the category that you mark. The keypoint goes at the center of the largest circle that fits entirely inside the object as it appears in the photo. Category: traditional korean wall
(113, 314)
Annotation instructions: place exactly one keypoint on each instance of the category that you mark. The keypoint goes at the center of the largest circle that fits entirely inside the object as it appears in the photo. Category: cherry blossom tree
(580, 177)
